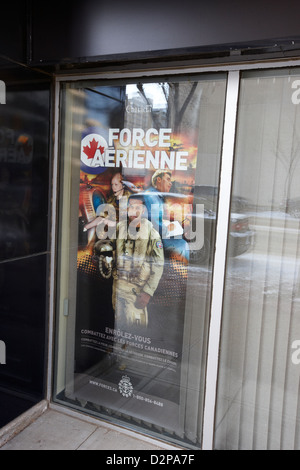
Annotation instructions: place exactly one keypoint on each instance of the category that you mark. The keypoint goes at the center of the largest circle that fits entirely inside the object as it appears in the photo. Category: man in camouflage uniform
(139, 266)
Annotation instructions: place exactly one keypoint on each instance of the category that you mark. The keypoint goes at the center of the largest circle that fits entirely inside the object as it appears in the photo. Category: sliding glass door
(258, 385)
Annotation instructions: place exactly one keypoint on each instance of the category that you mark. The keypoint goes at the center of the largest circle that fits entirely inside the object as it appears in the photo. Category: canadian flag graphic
(93, 147)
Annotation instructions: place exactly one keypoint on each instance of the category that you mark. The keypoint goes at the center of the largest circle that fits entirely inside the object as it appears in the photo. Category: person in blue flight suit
(155, 202)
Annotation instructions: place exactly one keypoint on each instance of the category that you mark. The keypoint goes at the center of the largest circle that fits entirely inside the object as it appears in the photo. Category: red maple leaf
(90, 149)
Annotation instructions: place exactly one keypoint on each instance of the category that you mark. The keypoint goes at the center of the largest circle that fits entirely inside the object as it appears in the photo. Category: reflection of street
(276, 233)
(271, 267)
(261, 319)
(267, 274)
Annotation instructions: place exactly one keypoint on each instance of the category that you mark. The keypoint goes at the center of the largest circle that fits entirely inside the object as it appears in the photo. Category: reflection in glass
(258, 387)
(24, 127)
(131, 336)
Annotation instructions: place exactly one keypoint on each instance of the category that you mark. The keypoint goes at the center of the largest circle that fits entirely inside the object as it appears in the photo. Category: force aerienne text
(136, 156)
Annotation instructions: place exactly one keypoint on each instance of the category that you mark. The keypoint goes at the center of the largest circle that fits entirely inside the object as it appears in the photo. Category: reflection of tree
(180, 108)
(289, 158)
(178, 97)
(155, 119)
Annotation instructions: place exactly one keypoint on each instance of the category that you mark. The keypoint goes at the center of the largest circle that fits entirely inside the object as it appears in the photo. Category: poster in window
(134, 243)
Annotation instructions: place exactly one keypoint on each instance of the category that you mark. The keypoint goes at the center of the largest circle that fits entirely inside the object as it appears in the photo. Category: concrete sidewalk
(54, 429)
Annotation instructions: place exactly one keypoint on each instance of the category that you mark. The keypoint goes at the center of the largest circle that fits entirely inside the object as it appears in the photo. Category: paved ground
(54, 430)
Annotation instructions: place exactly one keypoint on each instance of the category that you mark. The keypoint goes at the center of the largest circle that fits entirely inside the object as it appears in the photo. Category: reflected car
(241, 236)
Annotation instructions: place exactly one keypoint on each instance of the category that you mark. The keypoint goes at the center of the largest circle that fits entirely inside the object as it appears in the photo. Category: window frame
(222, 231)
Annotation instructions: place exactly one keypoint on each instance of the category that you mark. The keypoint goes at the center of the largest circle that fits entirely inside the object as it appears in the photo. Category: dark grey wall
(99, 28)
(13, 29)
(24, 218)
(41, 33)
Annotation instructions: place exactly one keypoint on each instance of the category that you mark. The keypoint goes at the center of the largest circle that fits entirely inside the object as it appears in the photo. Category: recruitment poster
(134, 243)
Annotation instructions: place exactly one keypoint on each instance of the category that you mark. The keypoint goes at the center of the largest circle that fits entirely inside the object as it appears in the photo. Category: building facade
(150, 211)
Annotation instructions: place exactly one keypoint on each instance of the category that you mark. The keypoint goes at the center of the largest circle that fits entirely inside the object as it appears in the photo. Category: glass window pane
(258, 386)
(135, 249)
